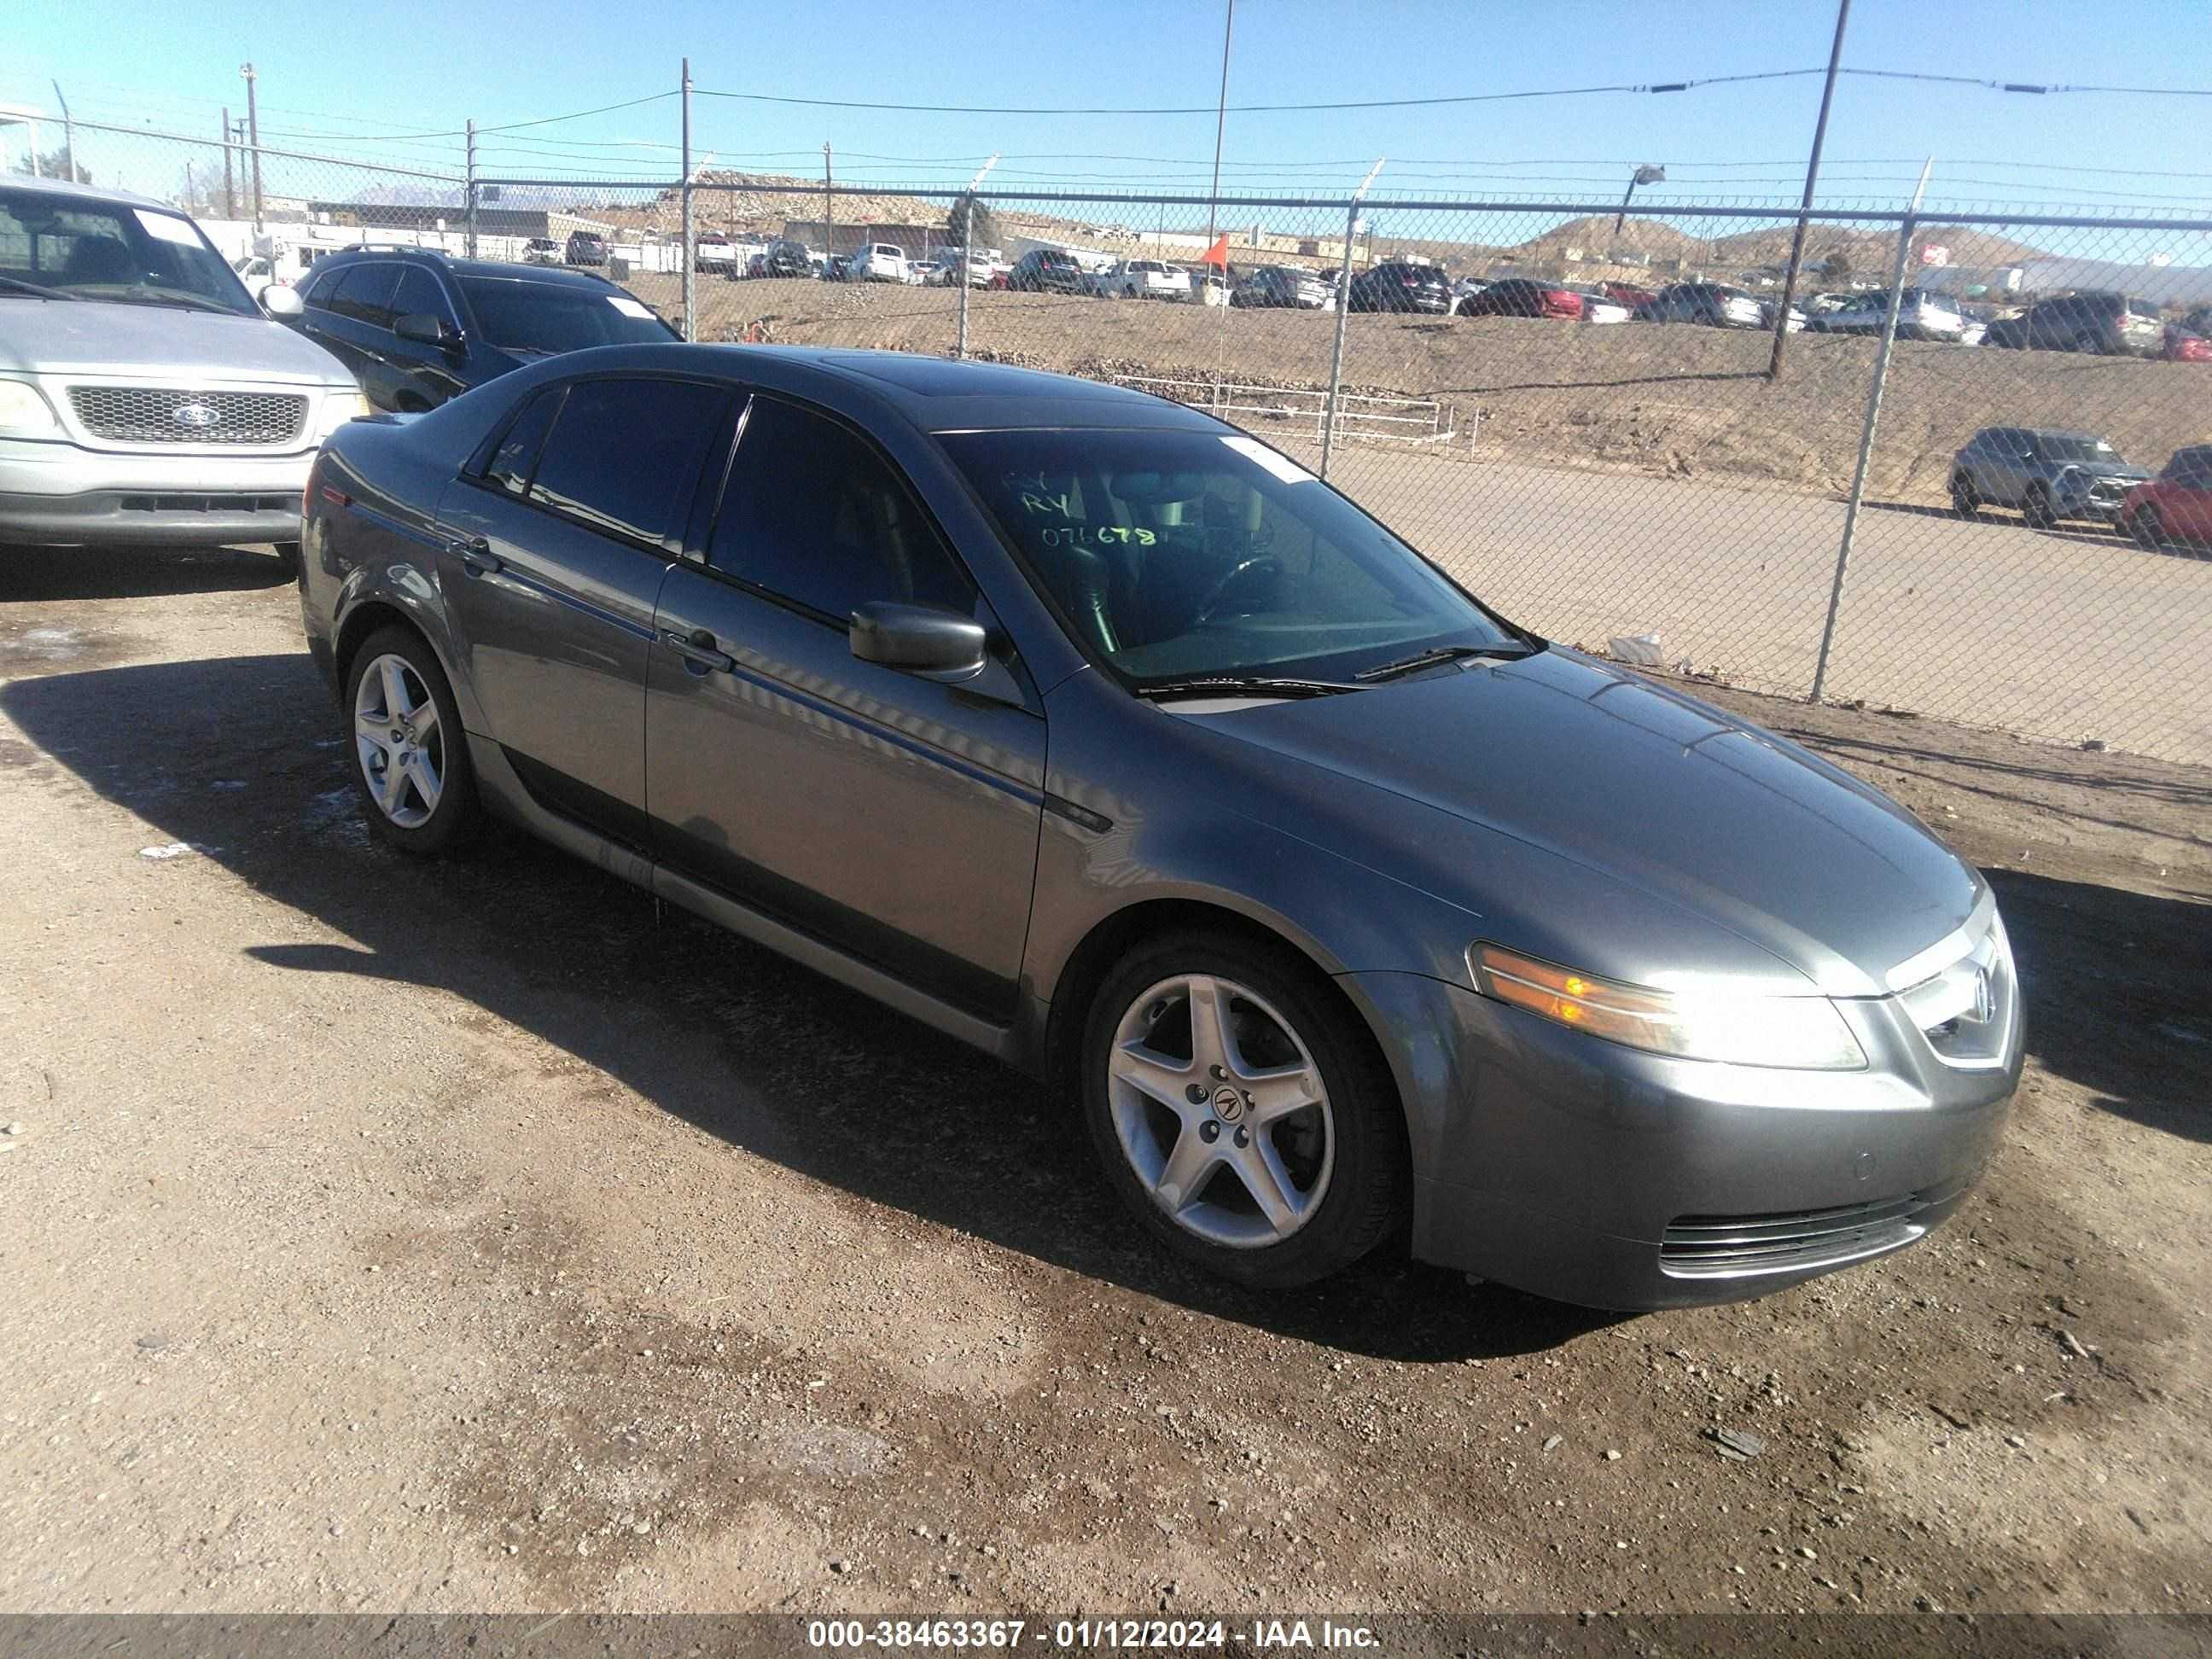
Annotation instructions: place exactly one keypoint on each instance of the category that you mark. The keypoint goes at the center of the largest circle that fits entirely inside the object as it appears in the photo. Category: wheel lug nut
(1209, 1132)
(1196, 1094)
(1218, 1073)
(1243, 1138)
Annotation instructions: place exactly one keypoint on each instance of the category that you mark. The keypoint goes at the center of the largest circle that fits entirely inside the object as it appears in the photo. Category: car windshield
(1195, 554)
(524, 316)
(2072, 448)
(97, 250)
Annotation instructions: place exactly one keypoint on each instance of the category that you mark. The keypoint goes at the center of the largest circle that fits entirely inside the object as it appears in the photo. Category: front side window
(97, 250)
(814, 515)
(420, 295)
(515, 314)
(623, 455)
(1192, 553)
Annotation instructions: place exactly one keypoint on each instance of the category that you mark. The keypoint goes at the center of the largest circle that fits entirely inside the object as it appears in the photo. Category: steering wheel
(1237, 573)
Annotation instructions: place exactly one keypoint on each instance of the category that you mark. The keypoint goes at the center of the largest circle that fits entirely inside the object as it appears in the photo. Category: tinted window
(367, 293)
(511, 463)
(1195, 553)
(318, 294)
(624, 454)
(813, 514)
(420, 294)
(518, 315)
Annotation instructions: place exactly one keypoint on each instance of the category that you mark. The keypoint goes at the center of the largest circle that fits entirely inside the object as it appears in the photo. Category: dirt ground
(471, 1235)
(1676, 399)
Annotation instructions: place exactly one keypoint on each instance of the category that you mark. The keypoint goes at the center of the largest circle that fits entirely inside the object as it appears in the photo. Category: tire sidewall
(1368, 1181)
(454, 819)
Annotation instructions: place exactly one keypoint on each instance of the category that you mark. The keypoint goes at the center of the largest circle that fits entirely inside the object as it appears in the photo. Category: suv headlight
(1800, 1033)
(24, 410)
(339, 407)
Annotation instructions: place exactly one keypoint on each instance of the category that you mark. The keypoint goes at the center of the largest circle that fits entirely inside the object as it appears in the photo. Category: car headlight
(339, 407)
(24, 410)
(1800, 1033)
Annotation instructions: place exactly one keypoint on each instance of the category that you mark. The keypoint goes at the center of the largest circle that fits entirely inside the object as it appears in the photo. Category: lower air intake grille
(1730, 1246)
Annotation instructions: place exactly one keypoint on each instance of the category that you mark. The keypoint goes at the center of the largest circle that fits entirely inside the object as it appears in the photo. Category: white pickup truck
(878, 261)
(1142, 279)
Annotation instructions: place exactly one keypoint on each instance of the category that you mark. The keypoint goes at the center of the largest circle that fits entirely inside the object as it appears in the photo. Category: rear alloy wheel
(1240, 1113)
(1963, 502)
(2035, 507)
(410, 755)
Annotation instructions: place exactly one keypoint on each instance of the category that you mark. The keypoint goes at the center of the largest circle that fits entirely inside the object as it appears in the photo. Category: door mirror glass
(425, 330)
(918, 639)
(280, 301)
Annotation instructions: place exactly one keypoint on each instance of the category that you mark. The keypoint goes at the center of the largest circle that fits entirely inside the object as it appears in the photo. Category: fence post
(690, 261)
(469, 200)
(1336, 352)
(967, 243)
(1905, 230)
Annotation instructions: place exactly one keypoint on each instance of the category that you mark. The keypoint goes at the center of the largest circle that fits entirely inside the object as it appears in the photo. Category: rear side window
(812, 515)
(510, 465)
(623, 454)
(366, 295)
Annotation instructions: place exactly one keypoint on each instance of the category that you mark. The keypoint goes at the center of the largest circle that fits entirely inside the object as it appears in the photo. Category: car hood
(163, 343)
(1659, 793)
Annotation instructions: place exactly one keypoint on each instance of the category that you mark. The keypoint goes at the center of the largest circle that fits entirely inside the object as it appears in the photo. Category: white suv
(880, 262)
(1144, 279)
(143, 398)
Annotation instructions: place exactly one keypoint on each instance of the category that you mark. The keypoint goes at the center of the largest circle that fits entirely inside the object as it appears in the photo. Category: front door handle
(698, 648)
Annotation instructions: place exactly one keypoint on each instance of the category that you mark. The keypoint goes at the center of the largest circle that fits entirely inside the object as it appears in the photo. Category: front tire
(1963, 502)
(1291, 1164)
(2036, 508)
(411, 757)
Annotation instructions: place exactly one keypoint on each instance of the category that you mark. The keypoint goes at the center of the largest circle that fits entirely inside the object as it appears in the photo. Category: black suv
(1047, 271)
(1396, 285)
(586, 247)
(417, 327)
(2108, 324)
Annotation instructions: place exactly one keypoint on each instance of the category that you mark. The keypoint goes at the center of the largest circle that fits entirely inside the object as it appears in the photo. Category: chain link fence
(1575, 412)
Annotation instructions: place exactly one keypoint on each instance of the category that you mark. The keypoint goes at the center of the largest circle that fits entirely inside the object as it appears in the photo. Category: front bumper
(1592, 1173)
(61, 494)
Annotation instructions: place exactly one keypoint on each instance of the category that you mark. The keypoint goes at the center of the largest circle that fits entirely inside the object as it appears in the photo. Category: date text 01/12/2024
(1168, 1634)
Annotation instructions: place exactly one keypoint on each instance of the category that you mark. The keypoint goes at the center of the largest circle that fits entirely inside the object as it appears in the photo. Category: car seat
(99, 260)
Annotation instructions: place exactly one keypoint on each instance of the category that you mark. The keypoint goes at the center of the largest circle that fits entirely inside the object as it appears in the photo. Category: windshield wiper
(17, 285)
(1243, 685)
(1509, 650)
(147, 296)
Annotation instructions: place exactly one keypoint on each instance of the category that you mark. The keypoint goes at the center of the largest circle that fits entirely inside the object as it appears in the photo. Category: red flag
(1219, 253)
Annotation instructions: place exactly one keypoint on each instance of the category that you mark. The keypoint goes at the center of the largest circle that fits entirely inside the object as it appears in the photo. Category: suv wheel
(2035, 507)
(1240, 1113)
(410, 755)
(1963, 502)
(2147, 528)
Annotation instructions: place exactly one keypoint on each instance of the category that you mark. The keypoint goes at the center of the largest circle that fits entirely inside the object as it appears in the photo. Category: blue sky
(369, 72)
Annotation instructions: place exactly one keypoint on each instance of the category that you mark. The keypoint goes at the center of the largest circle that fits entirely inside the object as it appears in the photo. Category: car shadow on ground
(721, 1033)
(2118, 993)
(121, 573)
(2088, 535)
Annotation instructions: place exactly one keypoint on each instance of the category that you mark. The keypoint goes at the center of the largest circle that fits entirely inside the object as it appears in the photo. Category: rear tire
(2035, 507)
(1292, 1163)
(417, 788)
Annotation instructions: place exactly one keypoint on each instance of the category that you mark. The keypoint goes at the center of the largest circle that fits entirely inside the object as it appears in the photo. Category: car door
(330, 316)
(893, 816)
(560, 537)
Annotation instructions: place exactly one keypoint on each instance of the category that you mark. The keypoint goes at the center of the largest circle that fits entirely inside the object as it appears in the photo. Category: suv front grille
(1732, 1246)
(180, 414)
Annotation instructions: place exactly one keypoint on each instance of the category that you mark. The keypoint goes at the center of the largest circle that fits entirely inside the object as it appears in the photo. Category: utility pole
(1343, 307)
(254, 138)
(229, 204)
(691, 258)
(1812, 178)
(469, 200)
(69, 133)
(829, 215)
(1221, 121)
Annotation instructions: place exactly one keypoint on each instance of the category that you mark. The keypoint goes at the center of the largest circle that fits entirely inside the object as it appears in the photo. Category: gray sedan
(1103, 736)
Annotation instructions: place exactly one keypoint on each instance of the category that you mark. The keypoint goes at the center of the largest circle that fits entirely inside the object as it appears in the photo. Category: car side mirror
(281, 302)
(426, 330)
(919, 639)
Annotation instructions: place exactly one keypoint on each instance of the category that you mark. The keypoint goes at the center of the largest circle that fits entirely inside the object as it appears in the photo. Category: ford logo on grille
(195, 414)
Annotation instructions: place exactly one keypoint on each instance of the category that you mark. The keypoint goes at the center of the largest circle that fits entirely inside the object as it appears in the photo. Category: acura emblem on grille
(195, 414)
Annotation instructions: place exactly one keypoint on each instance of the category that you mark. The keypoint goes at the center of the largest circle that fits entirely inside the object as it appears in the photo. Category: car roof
(90, 193)
(511, 270)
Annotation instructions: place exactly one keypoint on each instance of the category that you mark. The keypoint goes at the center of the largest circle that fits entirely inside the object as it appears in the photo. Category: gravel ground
(474, 1237)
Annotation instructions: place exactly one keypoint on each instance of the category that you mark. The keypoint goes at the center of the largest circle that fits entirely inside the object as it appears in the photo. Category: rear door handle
(475, 553)
(698, 648)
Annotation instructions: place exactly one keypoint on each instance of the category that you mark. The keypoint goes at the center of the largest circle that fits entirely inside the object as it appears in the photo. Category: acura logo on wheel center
(196, 414)
(1228, 1105)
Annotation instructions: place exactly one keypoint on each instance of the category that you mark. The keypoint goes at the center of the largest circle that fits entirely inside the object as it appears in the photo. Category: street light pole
(1220, 122)
(1646, 174)
(1812, 178)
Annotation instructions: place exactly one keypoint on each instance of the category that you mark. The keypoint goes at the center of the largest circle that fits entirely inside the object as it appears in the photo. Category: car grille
(1734, 1246)
(157, 415)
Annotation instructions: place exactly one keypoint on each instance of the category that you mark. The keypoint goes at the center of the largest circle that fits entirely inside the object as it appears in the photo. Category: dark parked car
(586, 247)
(1097, 733)
(1522, 296)
(417, 327)
(1048, 271)
(786, 258)
(1284, 288)
(2048, 475)
(2174, 508)
(1397, 286)
(2108, 324)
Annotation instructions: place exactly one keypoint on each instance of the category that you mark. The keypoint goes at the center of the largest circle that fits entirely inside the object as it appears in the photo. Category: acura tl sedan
(1104, 736)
